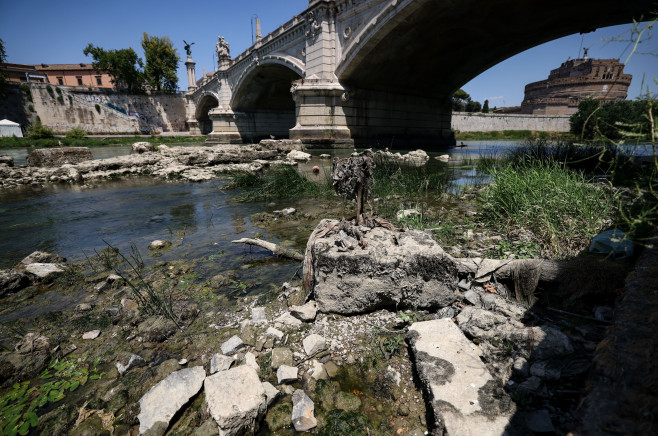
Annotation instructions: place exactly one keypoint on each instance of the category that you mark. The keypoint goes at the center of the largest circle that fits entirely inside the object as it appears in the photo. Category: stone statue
(222, 48)
(188, 47)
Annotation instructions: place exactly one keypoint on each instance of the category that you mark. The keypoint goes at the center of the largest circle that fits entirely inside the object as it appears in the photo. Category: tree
(459, 100)
(3, 59)
(123, 65)
(485, 108)
(473, 106)
(161, 62)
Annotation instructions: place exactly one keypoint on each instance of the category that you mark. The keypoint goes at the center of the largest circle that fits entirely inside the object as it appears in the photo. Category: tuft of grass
(76, 133)
(556, 204)
(280, 182)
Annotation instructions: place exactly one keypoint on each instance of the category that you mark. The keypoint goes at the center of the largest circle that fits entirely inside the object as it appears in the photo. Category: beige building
(574, 81)
(57, 74)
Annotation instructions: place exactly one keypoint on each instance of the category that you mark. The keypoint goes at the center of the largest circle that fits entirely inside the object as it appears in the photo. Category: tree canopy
(123, 65)
(161, 62)
(462, 102)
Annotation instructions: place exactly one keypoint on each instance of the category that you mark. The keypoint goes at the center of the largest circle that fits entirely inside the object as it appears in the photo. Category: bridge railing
(267, 39)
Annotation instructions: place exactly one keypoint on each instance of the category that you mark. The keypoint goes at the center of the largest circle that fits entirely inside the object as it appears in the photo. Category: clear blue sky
(49, 32)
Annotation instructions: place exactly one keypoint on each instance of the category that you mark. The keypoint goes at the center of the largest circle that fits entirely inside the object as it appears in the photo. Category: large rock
(142, 147)
(303, 408)
(54, 157)
(39, 257)
(44, 271)
(219, 362)
(403, 269)
(167, 397)
(12, 281)
(465, 398)
(236, 400)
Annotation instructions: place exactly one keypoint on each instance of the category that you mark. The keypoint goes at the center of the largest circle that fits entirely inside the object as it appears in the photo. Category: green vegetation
(60, 99)
(122, 65)
(50, 91)
(558, 205)
(161, 62)
(19, 406)
(614, 120)
(461, 102)
(485, 107)
(3, 59)
(76, 133)
(508, 134)
(88, 142)
(151, 299)
(27, 91)
(280, 182)
(98, 108)
(38, 131)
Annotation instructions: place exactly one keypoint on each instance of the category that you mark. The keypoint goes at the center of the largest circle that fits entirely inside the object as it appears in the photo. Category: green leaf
(74, 385)
(55, 395)
(94, 377)
(24, 428)
(42, 399)
(32, 418)
(46, 374)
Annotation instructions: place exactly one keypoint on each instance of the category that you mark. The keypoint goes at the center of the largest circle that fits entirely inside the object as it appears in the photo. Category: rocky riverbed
(192, 163)
(290, 362)
(392, 334)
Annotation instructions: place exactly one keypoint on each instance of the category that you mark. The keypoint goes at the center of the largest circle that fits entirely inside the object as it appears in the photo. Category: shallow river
(76, 222)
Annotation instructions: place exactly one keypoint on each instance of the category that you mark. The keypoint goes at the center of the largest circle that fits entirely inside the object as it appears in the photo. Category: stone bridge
(377, 72)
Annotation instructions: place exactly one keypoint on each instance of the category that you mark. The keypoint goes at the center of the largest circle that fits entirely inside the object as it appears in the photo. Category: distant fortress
(574, 81)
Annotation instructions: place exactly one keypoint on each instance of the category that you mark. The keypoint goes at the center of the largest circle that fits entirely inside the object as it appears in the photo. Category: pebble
(93, 334)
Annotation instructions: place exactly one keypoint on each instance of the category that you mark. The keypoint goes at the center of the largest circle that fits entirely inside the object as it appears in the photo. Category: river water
(77, 222)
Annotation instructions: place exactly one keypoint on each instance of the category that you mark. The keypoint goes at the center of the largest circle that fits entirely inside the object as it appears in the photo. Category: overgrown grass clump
(559, 206)
(280, 182)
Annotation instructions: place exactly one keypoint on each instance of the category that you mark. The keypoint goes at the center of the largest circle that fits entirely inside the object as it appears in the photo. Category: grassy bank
(7, 143)
(509, 135)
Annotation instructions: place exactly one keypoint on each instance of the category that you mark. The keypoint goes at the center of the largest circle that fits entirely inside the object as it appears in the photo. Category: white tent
(10, 128)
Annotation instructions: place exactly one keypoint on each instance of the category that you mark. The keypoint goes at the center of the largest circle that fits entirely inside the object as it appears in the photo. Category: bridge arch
(431, 48)
(207, 100)
(276, 72)
(261, 98)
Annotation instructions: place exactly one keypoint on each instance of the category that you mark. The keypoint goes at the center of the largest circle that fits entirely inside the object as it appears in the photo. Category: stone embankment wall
(100, 111)
(479, 122)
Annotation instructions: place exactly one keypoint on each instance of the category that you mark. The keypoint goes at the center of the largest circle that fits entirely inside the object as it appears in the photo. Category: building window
(60, 80)
(79, 80)
(99, 81)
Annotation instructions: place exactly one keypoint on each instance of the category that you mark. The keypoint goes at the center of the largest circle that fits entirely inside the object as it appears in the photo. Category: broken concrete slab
(166, 398)
(465, 399)
(236, 400)
(402, 269)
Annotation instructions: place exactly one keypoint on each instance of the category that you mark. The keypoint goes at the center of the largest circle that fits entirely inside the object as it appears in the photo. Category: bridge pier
(234, 127)
(330, 114)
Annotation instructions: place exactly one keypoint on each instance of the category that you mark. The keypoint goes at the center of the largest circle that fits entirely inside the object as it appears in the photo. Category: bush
(60, 99)
(98, 108)
(59, 91)
(76, 133)
(70, 100)
(50, 90)
(30, 108)
(558, 205)
(612, 120)
(39, 131)
(28, 92)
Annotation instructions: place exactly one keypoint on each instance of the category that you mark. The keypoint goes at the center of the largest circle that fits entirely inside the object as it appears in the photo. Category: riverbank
(511, 135)
(95, 141)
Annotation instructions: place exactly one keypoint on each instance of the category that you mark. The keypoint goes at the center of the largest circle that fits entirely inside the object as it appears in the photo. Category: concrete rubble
(464, 397)
(163, 400)
(236, 400)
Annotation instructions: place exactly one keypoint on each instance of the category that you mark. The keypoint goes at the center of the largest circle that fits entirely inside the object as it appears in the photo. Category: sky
(37, 32)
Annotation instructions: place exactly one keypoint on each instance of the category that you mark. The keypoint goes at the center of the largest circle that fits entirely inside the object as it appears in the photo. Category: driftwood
(545, 270)
(274, 248)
